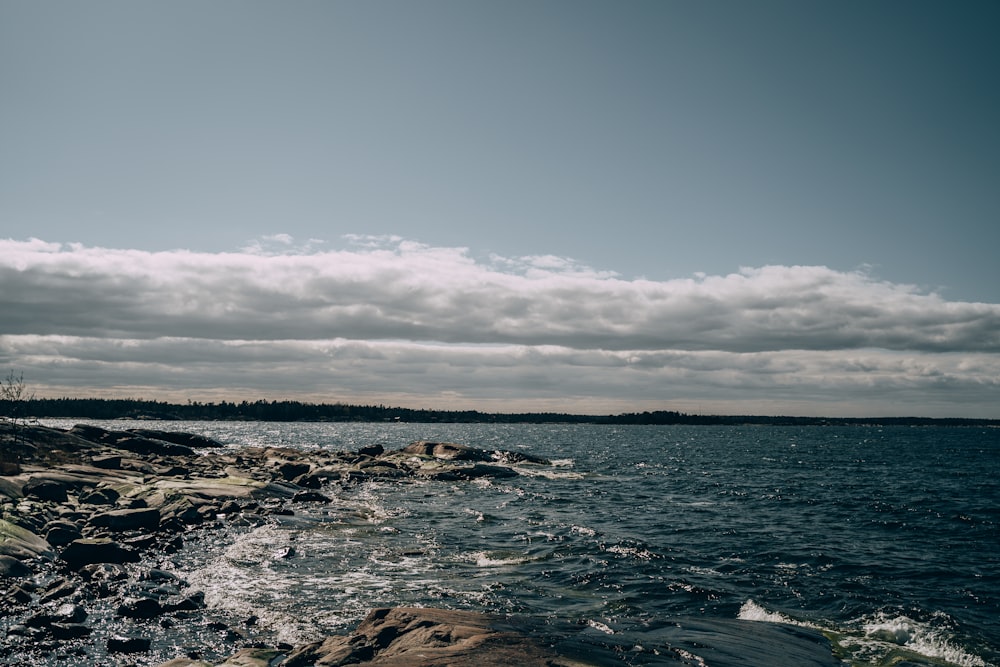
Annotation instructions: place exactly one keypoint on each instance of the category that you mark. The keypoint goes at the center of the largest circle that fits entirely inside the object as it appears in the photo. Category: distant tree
(14, 398)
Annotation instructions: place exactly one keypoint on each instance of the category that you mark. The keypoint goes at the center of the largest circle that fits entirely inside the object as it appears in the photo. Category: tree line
(288, 411)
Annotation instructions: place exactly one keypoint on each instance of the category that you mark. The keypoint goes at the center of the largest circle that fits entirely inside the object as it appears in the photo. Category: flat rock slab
(419, 637)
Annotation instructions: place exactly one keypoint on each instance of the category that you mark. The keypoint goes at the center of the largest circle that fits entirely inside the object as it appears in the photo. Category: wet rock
(17, 595)
(12, 568)
(103, 572)
(57, 590)
(470, 472)
(119, 644)
(420, 637)
(191, 602)
(96, 550)
(140, 608)
(310, 497)
(69, 613)
(61, 533)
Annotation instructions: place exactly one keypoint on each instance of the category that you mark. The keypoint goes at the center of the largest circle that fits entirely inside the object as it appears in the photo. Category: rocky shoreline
(89, 518)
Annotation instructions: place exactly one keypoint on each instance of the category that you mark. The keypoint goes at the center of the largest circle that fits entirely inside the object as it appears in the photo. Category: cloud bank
(401, 322)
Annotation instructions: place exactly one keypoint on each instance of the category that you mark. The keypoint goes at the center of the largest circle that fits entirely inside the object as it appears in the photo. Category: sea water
(885, 538)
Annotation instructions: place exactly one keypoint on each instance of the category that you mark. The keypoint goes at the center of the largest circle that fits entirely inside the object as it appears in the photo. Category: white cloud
(389, 317)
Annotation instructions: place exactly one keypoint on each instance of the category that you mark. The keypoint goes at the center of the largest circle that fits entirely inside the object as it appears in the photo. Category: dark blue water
(888, 539)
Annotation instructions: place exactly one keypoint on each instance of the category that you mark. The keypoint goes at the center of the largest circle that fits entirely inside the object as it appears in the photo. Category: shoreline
(90, 515)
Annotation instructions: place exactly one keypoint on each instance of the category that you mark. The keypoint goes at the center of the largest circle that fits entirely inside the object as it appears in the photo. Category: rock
(61, 533)
(10, 488)
(192, 440)
(128, 644)
(69, 613)
(423, 638)
(91, 433)
(101, 550)
(469, 472)
(291, 469)
(251, 657)
(12, 568)
(147, 446)
(106, 496)
(103, 572)
(45, 489)
(110, 462)
(447, 450)
(140, 608)
(57, 590)
(21, 543)
(372, 450)
(310, 497)
(128, 519)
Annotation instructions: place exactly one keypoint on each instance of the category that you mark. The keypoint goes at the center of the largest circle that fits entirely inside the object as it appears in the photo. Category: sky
(598, 207)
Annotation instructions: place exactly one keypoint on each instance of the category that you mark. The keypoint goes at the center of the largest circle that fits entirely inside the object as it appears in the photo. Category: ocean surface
(885, 538)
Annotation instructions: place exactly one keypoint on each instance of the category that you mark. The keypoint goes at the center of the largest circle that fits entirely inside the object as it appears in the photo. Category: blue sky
(587, 206)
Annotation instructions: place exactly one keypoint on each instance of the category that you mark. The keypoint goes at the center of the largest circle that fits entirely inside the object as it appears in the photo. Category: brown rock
(417, 637)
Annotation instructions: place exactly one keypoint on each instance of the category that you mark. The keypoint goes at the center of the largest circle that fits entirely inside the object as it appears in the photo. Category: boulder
(140, 608)
(21, 543)
(447, 450)
(45, 489)
(12, 568)
(106, 496)
(127, 519)
(61, 533)
(101, 550)
(289, 470)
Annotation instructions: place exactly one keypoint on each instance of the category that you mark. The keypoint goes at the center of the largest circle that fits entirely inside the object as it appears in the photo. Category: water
(885, 538)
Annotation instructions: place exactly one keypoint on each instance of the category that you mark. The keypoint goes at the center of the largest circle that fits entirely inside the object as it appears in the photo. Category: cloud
(390, 317)
(410, 291)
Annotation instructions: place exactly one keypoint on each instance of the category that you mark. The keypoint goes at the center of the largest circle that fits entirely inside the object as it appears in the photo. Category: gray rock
(127, 519)
(45, 489)
(101, 550)
(447, 450)
(61, 533)
(12, 568)
(106, 496)
(140, 608)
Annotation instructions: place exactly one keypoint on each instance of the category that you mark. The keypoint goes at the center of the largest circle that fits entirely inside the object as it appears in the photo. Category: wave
(881, 640)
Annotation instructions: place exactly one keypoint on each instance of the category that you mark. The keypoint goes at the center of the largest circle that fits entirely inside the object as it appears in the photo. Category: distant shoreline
(294, 411)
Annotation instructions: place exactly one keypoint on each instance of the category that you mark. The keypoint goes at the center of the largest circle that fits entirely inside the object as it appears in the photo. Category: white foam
(918, 637)
(484, 559)
(880, 636)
